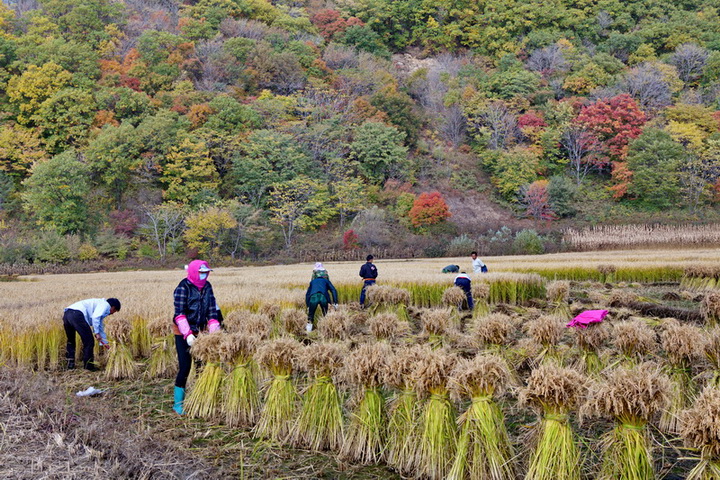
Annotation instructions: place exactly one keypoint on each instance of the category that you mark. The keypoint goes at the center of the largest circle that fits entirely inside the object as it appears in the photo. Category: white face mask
(203, 276)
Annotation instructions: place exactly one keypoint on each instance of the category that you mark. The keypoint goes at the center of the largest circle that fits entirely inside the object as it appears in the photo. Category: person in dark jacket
(320, 292)
(368, 272)
(195, 311)
(463, 281)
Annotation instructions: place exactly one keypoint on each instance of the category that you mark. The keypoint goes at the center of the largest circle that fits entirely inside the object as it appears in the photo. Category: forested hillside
(251, 129)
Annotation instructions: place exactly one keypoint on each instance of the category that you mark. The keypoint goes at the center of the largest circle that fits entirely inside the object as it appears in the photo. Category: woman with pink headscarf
(195, 311)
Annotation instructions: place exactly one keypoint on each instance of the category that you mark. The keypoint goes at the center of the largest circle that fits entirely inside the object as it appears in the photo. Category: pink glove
(183, 325)
(213, 325)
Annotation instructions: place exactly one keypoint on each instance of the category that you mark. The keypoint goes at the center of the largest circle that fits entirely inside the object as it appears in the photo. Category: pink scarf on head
(193, 274)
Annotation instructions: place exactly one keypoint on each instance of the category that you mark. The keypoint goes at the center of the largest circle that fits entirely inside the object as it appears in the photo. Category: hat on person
(204, 268)
(319, 266)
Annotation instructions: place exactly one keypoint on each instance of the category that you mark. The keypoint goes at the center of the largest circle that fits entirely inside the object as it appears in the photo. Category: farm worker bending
(195, 311)
(318, 293)
(463, 281)
(477, 264)
(368, 272)
(86, 318)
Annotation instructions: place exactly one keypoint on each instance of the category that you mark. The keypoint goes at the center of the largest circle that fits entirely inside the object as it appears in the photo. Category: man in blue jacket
(463, 281)
(319, 293)
(368, 272)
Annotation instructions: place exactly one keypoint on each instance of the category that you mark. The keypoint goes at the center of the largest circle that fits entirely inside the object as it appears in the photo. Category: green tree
(205, 229)
(299, 204)
(56, 193)
(655, 159)
(113, 156)
(188, 173)
(513, 169)
(380, 152)
(20, 149)
(64, 118)
(563, 195)
(349, 197)
(28, 91)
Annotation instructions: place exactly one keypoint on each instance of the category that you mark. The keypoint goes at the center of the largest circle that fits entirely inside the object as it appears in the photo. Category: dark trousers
(366, 284)
(313, 303)
(470, 303)
(74, 321)
(184, 361)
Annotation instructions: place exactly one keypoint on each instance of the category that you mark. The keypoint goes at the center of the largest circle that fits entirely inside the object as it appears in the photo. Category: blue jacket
(321, 285)
(463, 281)
(368, 270)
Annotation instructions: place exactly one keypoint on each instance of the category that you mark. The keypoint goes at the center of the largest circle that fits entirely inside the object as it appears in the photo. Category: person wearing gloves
(463, 281)
(86, 318)
(319, 293)
(195, 311)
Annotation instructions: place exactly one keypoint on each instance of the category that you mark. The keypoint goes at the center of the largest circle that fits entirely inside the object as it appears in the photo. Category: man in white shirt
(477, 264)
(86, 318)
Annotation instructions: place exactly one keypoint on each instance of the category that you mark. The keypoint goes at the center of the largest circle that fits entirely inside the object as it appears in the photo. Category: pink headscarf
(193, 274)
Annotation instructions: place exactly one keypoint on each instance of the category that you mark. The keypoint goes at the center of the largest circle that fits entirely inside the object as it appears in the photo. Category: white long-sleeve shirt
(94, 310)
(477, 265)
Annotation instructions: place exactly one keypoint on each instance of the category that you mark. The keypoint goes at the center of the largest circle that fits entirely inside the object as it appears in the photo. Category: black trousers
(74, 321)
(184, 361)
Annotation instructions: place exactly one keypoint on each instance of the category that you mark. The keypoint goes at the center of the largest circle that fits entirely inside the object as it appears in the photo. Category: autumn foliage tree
(536, 200)
(428, 209)
(329, 22)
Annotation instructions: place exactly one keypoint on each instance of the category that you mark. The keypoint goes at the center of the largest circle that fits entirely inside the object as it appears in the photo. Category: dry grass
(701, 425)
(710, 308)
(453, 297)
(491, 330)
(387, 326)
(335, 325)
(633, 339)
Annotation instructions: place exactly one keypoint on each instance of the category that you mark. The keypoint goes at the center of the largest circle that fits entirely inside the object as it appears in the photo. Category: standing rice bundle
(241, 399)
(140, 337)
(454, 297)
(701, 430)
(710, 308)
(387, 327)
(438, 434)
(204, 398)
(402, 408)
(484, 451)
(293, 321)
(366, 433)
(558, 293)
(436, 326)
(711, 348)
(278, 357)
(607, 272)
(384, 298)
(244, 321)
(162, 359)
(631, 396)
(684, 345)
(492, 331)
(335, 326)
(481, 296)
(546, 331)
(590, 341)
(555, 391)
(633, 339)
(622, 298)
(320, 424)
(120, 363)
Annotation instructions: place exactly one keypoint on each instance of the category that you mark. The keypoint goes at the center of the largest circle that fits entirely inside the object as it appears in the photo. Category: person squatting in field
(369, 273)
(463, 281)
(86, 318)
(195, 311)
(319, 292)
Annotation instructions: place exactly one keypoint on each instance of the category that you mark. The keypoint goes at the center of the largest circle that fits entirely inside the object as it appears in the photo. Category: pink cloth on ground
(587, 317)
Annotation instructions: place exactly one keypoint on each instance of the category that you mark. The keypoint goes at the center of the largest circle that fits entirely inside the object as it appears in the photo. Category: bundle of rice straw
(241, 399)
(492, 331)
(701, 430)
(120, 363)
(271, 310)
(622, 298)
(278, 357)
(484, 450)
(481, 297)
(711, 348)
(384, 298)
(293, 322)
(162, 359)
(558, 293)
(244, 321)
(683, 345)
(634, 339)
(204, 398)
(403, 409)
(607, 272)
(387, 327)
(631, 396)
(436, 326)
(590, 341)
(320, 424)
(710, 308)
(454, 297)
(140, 337)
(546, 331)
(555, 391)
(366, 433)
(438, 433)
(334, 326)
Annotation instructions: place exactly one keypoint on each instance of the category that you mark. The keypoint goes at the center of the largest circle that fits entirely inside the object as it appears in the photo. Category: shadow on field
(131, 432)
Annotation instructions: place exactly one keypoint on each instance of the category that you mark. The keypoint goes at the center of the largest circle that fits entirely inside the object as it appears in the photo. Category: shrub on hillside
(527, 242)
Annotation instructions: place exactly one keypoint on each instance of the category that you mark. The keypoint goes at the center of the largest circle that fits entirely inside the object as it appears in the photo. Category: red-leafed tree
(329, 22)
(531, 119)
(429, 209)
(536, 200)
(615, 121)
(350, 240)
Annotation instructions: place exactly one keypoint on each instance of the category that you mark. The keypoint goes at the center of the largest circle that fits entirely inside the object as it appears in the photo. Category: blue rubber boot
(179, 399)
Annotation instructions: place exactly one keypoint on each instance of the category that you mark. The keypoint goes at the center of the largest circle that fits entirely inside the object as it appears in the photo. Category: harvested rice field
(413, 386)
